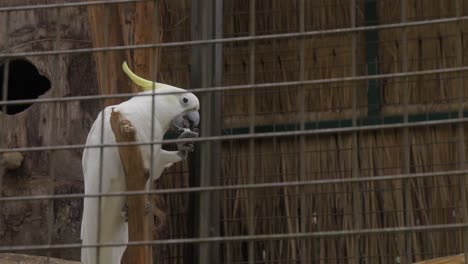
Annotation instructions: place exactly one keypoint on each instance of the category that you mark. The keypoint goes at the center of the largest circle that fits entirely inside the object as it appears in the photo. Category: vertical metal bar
(6, 71)
(154, 77)
(217, 127)
(4, 97)
(57, 66)
(406, 141)
(374, 93)
(204, 228)
(195, 75)
(304, 253)
(251, 175)
(355, 146)
(50, 205)
(103, 76)
(461, 127)
(6, 67)
(202, 57)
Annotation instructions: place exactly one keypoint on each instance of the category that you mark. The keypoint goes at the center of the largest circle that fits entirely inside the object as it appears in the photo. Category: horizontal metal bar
(63, 5)
(243, 87)
(334, 123)
(240, 186)
(238, 39)
(303, 235)
(245, 136)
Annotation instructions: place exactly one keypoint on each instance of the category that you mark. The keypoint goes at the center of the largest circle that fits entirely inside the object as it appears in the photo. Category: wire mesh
(335, 130)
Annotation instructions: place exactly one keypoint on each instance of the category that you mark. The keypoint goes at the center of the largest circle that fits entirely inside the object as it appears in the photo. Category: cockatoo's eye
(185, 100)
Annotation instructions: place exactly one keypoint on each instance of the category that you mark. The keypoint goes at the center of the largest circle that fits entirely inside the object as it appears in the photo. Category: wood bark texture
(38, 222)
(138, 216)
(124, 24)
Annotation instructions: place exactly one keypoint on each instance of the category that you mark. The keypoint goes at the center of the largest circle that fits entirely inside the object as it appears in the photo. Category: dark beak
(187, 120)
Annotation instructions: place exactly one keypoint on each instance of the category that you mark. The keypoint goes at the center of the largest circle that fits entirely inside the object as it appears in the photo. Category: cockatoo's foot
(186, 147)
(187, 133)
(124, 212)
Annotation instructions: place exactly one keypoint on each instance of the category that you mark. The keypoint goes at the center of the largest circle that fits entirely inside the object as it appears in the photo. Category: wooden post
(138, 214)
(128, 24)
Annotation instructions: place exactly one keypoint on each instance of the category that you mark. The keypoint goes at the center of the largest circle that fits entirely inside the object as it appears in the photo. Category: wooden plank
(457, 259)
(105, 31)
(127, 24)
(9, 258)
(138, 217)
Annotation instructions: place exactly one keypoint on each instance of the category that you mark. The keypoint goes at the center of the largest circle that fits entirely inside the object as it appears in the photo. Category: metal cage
(331, 132)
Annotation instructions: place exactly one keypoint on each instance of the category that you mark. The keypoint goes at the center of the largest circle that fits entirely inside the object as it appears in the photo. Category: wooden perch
(10, 258)
(138, 216)
(456, 259)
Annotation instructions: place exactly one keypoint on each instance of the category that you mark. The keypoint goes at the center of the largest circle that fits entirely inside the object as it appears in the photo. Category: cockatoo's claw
(124, 212)
(186, 147)
(190, 147)
(187, 133)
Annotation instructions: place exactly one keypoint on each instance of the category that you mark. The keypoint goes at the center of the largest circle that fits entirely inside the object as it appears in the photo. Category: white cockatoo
(177, 111)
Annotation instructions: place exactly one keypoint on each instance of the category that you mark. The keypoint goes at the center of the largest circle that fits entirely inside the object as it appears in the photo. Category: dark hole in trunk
(24, 82)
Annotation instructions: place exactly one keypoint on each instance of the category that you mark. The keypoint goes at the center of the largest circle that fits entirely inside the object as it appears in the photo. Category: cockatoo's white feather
(103, 221)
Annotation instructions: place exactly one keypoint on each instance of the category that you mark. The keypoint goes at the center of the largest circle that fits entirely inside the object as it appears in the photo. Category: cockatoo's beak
(187, 120)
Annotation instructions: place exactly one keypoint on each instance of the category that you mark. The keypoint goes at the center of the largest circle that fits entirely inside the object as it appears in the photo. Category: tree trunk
(119, 25)
(48, 172)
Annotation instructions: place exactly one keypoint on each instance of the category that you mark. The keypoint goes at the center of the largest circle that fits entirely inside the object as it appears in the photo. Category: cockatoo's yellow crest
(145, 84)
